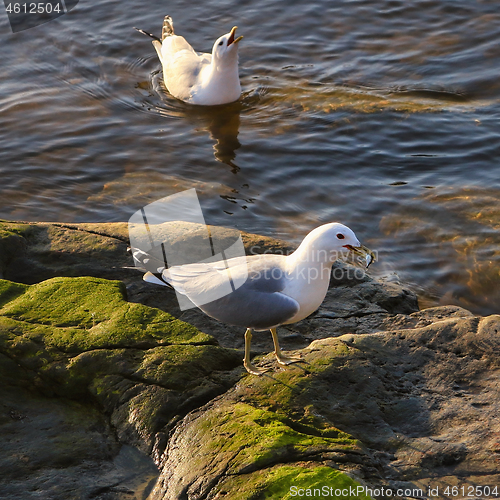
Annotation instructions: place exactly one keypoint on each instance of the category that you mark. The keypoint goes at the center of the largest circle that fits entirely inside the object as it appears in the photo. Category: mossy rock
(73, 315)
(10, 291)
(79, 338)
(287, 482)
(73, 330)
(12, 242)
(239, 443)
(33, 252)
(179, 366)
(260, 438)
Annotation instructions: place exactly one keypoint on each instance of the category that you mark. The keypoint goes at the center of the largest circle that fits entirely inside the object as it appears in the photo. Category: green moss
(14, 228)
(176, 366)
(286, 391)
(259, 438)
(78, 314)
(287, 482)
(10, 291)
(71, 331)
(269, 421)
(251, 445)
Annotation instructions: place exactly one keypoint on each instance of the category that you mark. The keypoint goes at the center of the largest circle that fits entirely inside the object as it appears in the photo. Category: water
(382, 115)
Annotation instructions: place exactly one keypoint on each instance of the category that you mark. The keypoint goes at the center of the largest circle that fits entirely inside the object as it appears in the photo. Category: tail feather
(154, 37)
(168, 28)
(153, 263)
(155, 278)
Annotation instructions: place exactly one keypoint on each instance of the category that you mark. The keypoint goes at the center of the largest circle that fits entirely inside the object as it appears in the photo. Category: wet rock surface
(422, 401)
(98, 374)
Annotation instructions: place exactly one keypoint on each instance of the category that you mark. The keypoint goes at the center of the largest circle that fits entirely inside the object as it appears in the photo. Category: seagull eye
(221, 43)
(340, 236)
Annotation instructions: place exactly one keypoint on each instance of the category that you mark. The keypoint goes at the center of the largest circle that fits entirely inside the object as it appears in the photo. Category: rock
(422, 404)
(12, 243)
(387, 396)
(236, 446)
(80, 340)
(58, 449)
(48, 250)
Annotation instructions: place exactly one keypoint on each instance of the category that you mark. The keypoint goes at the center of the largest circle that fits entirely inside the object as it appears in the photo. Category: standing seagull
(205, 79)
(276, 289)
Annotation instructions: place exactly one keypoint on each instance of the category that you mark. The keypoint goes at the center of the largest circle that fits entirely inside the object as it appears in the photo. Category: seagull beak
(231, 36)
(364, 252)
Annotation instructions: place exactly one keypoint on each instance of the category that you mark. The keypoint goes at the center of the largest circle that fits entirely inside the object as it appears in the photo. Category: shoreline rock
(388, 395)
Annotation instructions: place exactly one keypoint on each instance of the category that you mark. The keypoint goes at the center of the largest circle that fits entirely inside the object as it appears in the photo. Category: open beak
(363, 252)
(231, 36)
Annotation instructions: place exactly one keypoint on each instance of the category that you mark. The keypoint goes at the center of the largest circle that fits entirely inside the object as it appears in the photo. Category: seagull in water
(205, 79)
(273, 290)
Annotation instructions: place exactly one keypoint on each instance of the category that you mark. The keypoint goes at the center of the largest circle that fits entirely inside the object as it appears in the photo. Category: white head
(225, 49)
(327, 242)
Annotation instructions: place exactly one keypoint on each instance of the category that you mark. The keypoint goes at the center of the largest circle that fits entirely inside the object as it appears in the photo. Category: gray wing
(259, 272)
(244, 291)
(252, 308)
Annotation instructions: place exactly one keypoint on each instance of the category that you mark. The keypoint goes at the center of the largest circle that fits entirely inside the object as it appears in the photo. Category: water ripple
(368, 113)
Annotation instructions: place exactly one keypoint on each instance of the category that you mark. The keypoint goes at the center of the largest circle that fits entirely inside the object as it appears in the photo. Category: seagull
(204, 79)
(273, 290)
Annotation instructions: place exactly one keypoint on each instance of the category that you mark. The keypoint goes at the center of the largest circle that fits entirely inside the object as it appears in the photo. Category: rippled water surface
(382, 115)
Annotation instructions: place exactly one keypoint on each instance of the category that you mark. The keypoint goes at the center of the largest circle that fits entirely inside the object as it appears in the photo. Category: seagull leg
(282, 360)
(250, 368)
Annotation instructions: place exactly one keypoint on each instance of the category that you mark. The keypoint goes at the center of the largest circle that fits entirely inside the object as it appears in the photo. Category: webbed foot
(287, 360)
(251, 368)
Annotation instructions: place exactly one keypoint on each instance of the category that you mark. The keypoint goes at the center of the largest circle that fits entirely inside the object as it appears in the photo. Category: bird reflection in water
(223, 125)
(222, 122)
